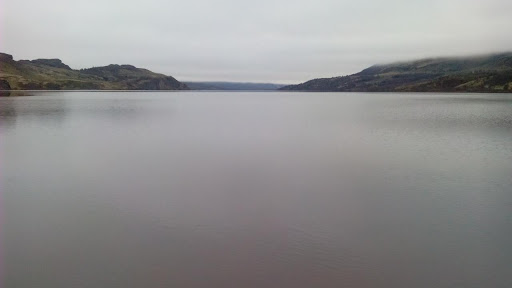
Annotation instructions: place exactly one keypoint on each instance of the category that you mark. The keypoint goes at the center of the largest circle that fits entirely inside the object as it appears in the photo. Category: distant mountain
(52, 74)
(490, 73)
(232, 86)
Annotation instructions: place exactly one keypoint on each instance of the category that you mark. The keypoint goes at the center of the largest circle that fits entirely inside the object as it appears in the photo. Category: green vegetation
(52, 74)
(491, 73)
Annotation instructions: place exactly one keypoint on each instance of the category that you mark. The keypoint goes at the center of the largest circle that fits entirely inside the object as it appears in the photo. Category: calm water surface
(200, 189)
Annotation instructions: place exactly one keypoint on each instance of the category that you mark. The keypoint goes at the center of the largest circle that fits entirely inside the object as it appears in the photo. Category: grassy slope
(28, 75)
(491, 73)
(32, 76)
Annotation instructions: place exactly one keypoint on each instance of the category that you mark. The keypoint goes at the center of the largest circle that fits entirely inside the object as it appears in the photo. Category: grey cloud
(272, 41)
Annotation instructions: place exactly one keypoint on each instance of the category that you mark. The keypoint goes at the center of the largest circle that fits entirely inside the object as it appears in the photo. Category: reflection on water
(32, 109)
(7, 113)
(217, 189)
(447, 112)
(7, 93)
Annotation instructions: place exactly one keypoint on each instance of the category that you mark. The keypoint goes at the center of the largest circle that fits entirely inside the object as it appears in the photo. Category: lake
(256, 189)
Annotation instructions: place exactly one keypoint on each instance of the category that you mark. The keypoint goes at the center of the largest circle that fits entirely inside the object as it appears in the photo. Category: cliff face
(52, 74)
(491, 73)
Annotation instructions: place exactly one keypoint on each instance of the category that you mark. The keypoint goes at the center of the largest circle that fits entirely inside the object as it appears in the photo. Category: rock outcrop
(57, 63)
(5, 57)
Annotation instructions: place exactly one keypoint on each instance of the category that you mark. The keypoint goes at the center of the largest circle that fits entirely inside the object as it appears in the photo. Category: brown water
(228, 189)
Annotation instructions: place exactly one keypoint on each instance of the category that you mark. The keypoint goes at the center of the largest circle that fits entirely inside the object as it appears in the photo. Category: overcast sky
(287, 41)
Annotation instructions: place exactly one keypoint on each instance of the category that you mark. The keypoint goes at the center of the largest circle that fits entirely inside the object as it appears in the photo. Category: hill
(232, 86)
(489, 73)
(52, 74)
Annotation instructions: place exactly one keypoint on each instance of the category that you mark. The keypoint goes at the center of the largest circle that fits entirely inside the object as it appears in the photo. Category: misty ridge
(485, 73)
